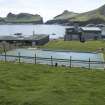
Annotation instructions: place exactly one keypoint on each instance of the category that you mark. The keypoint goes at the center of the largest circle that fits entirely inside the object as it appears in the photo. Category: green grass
(75, 45)
(26, 84)
(29, 84)
(24, 19)
(88, 46)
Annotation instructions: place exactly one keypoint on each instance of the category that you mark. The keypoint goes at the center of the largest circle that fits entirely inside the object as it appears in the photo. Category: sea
(54, 31)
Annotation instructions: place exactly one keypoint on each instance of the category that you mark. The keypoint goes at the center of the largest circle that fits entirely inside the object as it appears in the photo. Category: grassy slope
(31, 19)
(86, 17)
(43, 85)
(94, 14)
(65, 15)
(88, 46)
(75, 45)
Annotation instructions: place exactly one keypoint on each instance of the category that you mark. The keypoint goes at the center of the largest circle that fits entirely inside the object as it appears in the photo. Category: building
(83, 33)
(91, 33)
(30, 41)
(72, 34)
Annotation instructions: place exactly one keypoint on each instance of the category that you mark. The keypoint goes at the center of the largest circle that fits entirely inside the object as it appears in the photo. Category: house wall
(42, 41)
(85, 35)
(71, 37)
(91, 35)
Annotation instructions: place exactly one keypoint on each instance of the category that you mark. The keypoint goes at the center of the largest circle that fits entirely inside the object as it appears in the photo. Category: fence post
(70, 61)
(89, 64)
(5, 55)
(35, 58)
(19, 56)
(51, 61)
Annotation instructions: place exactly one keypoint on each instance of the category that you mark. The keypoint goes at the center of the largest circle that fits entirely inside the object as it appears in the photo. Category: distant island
(96, 16)
(22, 18)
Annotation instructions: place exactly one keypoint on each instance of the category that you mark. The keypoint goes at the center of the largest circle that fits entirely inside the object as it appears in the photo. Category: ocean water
(55, 31)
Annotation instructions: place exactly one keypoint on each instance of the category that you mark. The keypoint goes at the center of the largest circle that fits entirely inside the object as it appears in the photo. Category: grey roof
(30, 38)
(91, 29)
(70, 27)
(8, 38)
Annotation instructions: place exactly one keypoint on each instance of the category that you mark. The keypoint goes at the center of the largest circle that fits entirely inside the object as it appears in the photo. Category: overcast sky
(47, 8)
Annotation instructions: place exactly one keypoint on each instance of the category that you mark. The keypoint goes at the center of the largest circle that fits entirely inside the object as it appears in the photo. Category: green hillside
(23, 18)
(65, 15)
(95, 14)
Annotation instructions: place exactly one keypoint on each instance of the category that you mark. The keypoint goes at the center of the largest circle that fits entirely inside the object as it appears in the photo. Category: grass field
(29, 84)
(88, 46)
(75, 45)
(26, 84)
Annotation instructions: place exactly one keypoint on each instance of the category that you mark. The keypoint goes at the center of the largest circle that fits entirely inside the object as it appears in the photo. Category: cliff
(23, 18)
(95, 16)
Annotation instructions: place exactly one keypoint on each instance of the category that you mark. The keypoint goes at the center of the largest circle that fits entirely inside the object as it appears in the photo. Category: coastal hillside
(62, 18)
(94, 16)
(65, 15)
(23, 18)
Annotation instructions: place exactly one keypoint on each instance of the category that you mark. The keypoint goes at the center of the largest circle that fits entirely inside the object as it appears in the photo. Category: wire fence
(53, 61)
